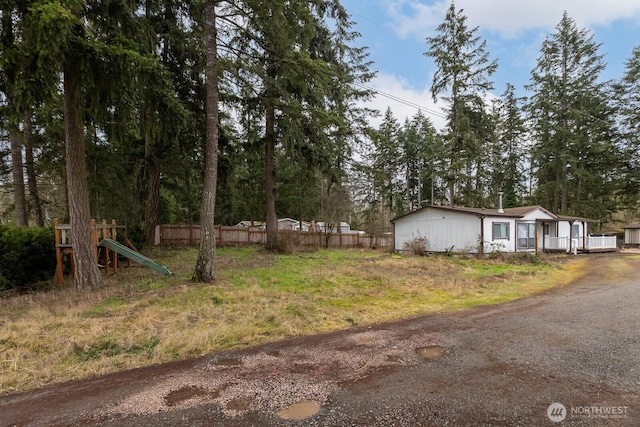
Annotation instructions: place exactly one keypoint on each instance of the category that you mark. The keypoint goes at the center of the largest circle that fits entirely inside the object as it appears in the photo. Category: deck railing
(591, 243)
(601, 242)
(556, 243)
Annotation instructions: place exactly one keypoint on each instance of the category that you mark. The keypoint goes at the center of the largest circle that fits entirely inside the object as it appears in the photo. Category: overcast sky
(395, 32)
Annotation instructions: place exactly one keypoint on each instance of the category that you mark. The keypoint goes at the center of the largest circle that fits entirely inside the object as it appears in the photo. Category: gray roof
(523, 210)
(518, 212)
(575, 218)
(508, 213)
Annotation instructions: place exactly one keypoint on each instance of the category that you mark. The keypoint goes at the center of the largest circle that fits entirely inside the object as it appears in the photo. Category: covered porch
(570, 235)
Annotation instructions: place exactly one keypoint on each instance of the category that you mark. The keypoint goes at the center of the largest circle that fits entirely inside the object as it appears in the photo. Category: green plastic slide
(134, 256)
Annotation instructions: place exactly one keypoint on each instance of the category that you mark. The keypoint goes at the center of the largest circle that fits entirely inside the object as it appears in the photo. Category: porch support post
(481, 243)
(571, 233)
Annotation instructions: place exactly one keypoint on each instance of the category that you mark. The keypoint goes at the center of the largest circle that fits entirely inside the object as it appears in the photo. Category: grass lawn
(142, 318)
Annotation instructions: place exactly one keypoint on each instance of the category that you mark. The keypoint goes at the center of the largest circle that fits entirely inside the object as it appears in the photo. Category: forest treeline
(294, 137)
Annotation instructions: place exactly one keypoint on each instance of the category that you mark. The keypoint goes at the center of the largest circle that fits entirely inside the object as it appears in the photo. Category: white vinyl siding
(444, 230)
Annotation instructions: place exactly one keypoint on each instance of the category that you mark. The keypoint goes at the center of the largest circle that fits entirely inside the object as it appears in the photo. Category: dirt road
(570, 356)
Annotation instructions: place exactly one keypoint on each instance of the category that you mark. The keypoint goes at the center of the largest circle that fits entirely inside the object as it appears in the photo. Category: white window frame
(530, 238)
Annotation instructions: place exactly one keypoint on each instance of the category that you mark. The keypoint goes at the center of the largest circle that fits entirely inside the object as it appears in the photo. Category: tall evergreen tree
(11, 56)
(462, 77)
(385, 164)
(92, 47)
(204, 271)
(301, 74)
(573, 152)
(87, 274)
(411, 160)
(508, 160)
(627, 95)
(168, 129)
(422, 158)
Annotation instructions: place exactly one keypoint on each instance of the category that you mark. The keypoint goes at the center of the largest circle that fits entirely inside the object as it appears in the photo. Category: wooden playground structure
(99, 232)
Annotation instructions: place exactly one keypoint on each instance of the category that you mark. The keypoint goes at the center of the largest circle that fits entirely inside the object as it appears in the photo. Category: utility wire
(402, 101)
(388, 95)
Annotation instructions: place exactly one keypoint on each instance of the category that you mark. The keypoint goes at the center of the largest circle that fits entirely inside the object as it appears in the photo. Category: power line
(388, 95)
(402, 101)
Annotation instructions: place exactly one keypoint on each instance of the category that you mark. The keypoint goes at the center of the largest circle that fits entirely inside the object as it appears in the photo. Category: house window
(500, 230)
(526, 236)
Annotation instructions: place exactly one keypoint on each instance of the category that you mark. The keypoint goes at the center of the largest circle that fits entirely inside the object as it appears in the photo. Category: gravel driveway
(570, 356)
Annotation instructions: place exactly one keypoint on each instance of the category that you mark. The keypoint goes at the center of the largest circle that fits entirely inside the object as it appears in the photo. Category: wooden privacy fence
(237, 236)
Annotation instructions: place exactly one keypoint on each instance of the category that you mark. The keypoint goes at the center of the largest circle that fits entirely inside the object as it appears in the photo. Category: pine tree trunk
(15, 139)
(269, 181)
(452, 185)
(32, 177)
(19, 194)
(563, 188)
(152, 203)
(188, 197)
(206, 255)
(87, 273)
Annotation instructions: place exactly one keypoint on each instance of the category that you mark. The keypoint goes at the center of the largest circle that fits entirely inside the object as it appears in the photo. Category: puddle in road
(229, 362)
(393, 358)
(430, 351)
(300, 411)
(176, 397)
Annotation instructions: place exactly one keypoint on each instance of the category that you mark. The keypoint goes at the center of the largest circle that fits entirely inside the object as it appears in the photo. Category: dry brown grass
(141, 318)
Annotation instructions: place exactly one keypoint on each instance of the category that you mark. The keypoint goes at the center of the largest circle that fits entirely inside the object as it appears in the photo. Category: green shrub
(27, 256)
(5, 285)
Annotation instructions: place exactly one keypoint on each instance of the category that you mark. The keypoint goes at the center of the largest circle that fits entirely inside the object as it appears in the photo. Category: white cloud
(404, 100)
(410, 18)
(419, 18)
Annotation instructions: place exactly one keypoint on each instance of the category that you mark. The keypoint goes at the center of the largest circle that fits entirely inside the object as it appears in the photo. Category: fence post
(94, 236)
(59, 266)
(114, 236)
(105, 235)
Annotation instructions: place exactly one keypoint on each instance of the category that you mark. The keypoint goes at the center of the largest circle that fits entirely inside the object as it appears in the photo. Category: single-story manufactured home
(283, 224)
(479, 230)
(293, 224)
(331, 228)
(250, 224)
